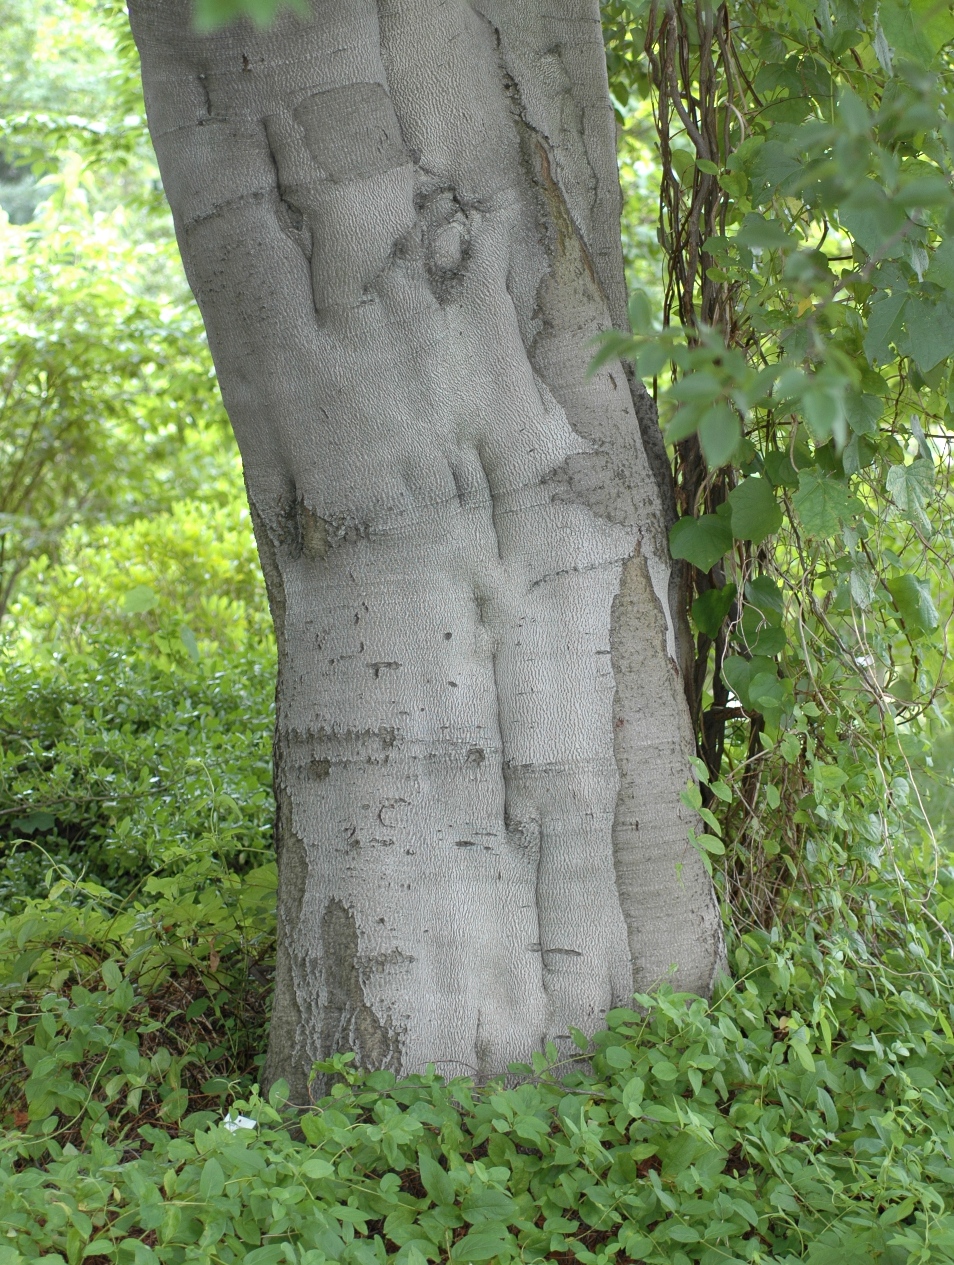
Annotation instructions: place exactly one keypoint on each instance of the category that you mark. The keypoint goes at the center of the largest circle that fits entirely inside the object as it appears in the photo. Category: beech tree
(401, 223)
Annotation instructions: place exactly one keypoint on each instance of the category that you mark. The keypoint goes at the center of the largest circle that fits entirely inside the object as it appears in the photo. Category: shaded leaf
(701, 541)
(755, 512)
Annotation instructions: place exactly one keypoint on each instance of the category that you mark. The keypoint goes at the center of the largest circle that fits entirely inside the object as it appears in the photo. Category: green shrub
(806, 1116)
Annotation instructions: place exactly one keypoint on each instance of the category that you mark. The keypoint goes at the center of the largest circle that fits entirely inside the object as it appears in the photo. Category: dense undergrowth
(807, 1113)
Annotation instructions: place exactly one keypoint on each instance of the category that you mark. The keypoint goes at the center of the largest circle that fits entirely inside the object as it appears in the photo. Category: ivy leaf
(862, 587)
(755, 512)
(913, 602)
(823, 503)
(917, 28)
(863, 412)
(930, 331)
(710, 609)
(910, 488)
(719, 435)
(884, 325)
(701, 541)
(740, 673)
(780, 471)
(872, 219)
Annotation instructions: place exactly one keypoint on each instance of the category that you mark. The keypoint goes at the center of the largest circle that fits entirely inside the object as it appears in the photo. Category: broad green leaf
(436, 1181)
(764, 594)
(910, 488)
(873, 220)
(780, 471)
(212, 1181)
(140, 599)
(803, 1054)
(701, 541)
(885, 324)
(665, 1071)
(679, 1232)
(755, 512)
(941, 269)
(710, 609)
(823, 503)
(863, 412)
(739, 674)
(719, 434)
(913, 601)
(482, 1245)
(917, 28)
(861, 583)
(488, 1205)
(640, 312)
(763, 233)
(929, 329)
(187, 637)
(271, 1254)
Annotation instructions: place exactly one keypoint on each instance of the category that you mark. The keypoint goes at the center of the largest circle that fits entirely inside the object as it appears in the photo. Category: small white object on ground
(232, 1123)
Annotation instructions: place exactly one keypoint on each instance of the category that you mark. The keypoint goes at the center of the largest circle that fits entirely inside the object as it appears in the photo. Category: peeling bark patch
(352, 131)
(348, 1022)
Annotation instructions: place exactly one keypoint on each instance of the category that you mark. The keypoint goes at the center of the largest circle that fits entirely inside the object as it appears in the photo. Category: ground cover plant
(806, 1113)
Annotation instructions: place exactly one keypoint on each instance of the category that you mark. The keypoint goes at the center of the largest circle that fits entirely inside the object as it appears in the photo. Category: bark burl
(401, 221)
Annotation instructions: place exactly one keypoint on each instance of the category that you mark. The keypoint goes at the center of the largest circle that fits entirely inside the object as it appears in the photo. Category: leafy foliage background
(788, 208)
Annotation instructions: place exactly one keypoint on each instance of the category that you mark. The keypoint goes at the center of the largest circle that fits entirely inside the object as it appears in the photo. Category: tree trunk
(401, 221)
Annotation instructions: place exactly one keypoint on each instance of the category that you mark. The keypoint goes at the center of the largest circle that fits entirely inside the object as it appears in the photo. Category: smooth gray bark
(401, 221)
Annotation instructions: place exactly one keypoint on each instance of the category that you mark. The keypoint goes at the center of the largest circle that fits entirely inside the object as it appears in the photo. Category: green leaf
(755, 512)
(740, 674)
(482, 1245)
(913, 602)
(701, 541)
(862, 587)
(803, 1054)
(930, 331)
(211, 14)
(436, 1181)
(640, 312)
(488, 1205)
(764, 594)
(665, 1071)
(823, 504)
(187, 637)
(885, 324)
(780, 471)
(910, 488)
(863, 412)
(710, 609)
(112, 975)
(719, 435)
(680, 1233)
(941, 270)
(873, 220)
(919, 28)
(762, 233)
(140, 599)
(212, 1181)
(271, 1254)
